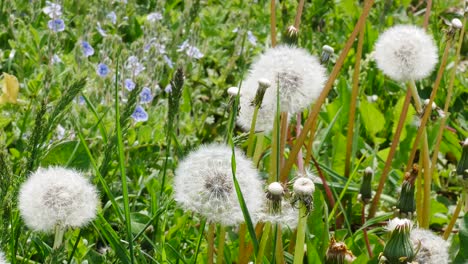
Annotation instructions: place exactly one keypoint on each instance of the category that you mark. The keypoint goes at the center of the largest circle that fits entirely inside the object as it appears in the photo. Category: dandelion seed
(129, 84)
(406, 52)
(140, 115)
(134, 65)
(153, 17)
(52, 10)
(203, 183)
(112, 17)
(57, 196)
(56, 25)
(87, 48)
(146, 96)
(432, 248)
(102, 70)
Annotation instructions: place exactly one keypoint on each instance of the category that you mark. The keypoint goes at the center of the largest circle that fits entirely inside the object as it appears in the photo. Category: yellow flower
(10, 89)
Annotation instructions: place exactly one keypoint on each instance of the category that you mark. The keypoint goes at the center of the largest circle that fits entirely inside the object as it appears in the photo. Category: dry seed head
(233, 91)
(456, 23)
(432, 248)
(303, 186)
(275, 188)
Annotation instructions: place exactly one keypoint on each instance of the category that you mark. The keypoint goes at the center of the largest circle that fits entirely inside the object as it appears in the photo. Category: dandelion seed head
(433, 249)
(55, 196)
(203, 183)
(406, 52)
(233, 91)
(303, 186)
(275, 188)
(456, 23)
(286, 217)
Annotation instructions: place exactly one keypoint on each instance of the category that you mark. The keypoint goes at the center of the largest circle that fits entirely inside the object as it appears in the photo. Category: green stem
(59, 232)
(300, 238)
(263, 241)
(250, 141)
(221, 240)
(211, 231)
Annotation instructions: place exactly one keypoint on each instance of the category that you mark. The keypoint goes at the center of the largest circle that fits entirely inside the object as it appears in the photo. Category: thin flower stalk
(211, 233)
(263, 241)
(448, 99)
(300, 8)
(221, 243)
(354, 95)
(300, 160)
(300, 237)
(310, 122)
(273, 22)
(427, 14)
(454, 219)
(391, 154)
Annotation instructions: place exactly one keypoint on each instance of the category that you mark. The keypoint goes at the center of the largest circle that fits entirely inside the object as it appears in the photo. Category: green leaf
(69, 153)
(462, 256)
(373, 119)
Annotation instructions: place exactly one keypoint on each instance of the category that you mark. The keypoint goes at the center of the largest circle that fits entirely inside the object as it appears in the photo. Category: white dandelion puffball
(287, 217)
(433, 249)
(57, 196)
(265, 117)
(298, 75)
(406, 52)
(203, 184)
(2, 259)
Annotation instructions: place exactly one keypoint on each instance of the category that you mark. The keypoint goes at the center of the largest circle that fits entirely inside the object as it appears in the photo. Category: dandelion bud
(233, 91)
(291, 35)
(327, 51)
(399, 248)
(263, 84)
(456, 23)
(275, 195)
(406, 204)
(303, 191)
(338, 253)
(365, 193)
(462, 167)
(431, 249)
(55, 197)
(406, 52)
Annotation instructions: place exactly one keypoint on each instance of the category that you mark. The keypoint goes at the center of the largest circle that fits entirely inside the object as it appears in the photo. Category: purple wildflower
(87, 48)
(146, 96)
(56, 25)
(129, 84)
(102, 69)
(140, 115)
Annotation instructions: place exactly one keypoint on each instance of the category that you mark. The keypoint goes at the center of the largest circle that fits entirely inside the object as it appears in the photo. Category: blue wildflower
(87, 48)
(168, 88)
(112, 17)
(251, 38)
(56, 59)
(53, 10)
(56, 25)
(134, 65)
(129, 84)
(102, 69)
(168, 61)
(81, 100)
(146, 96)
(140, 115)
(194, 52)
(100, 30)
(153, 17)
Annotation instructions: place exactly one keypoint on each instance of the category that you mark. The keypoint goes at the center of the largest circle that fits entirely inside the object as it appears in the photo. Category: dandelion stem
(210, 254)
(388, 162)
(419, 194)
(310, 122)
(283, 137)
(427, 14)
(242, 245)
(425, 160)
(354, 95)
(250, 141)
(364, 230)
(454, 218)
(258, 148)
(300, 161)
(300, 238)
(59, 232)
(297, 21)
(221, 240)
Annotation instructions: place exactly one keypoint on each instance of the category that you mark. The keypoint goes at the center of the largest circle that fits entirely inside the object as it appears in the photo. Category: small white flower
(153, 17)
(53, 10)
(57, 196)
(433, 249)
(406, 52)
(203, 183)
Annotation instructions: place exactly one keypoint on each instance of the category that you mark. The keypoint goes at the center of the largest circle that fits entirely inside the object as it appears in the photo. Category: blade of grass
(103, 227)
(123, 175)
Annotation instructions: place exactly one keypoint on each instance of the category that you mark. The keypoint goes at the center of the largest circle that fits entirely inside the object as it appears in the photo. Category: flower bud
(365, 193)
(407, 204)
(399, 248)
(291, 35)
(338, 253)
(263, 84)
(462, 167)
(327, 51)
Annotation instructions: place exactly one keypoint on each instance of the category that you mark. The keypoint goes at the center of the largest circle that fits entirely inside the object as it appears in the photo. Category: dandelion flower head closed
(406, 52)
(57, 196)
(203, 183)
(433, 249)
